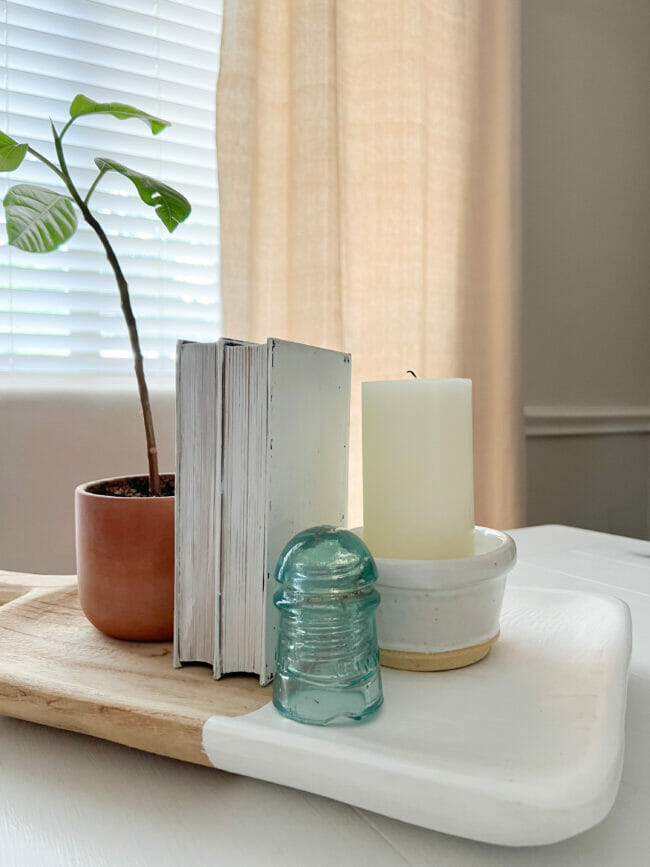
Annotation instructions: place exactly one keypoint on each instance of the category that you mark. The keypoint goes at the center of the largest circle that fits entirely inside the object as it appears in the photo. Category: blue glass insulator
(327, 665)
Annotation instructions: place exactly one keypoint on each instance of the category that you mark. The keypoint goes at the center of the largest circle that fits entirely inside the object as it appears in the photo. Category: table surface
(67, 799)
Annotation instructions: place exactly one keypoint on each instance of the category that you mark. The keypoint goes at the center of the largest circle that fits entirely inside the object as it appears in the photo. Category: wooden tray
(523, 748)
(58, 670)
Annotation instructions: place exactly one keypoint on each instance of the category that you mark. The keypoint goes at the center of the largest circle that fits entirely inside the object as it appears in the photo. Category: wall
(586, 261)
(51, 441)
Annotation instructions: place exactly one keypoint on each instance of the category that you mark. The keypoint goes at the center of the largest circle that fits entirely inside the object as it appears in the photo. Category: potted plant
(124, 526)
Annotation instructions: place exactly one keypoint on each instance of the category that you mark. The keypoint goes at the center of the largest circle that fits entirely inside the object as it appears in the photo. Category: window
(59, 312)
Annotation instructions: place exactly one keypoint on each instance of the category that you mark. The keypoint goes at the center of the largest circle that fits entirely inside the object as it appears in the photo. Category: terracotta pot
(125, 563)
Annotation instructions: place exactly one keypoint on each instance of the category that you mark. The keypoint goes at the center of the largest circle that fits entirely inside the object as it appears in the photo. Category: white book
(262, 453)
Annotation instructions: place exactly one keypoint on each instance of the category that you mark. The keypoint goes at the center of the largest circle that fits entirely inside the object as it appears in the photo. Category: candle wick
(412, 374)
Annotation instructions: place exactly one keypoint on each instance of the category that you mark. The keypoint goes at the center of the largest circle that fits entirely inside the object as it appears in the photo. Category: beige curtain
(368, 172)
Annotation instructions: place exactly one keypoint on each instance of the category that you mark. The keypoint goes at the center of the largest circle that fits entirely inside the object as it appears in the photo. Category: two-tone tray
(523, 748)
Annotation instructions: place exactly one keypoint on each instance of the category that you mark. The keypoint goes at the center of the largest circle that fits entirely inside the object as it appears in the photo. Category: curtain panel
(368, 155)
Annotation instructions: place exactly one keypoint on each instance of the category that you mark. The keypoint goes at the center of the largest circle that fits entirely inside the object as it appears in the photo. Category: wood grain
(58, 670)
(16, 584)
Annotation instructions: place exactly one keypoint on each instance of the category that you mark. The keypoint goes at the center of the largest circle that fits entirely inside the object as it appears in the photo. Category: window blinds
(59, 312)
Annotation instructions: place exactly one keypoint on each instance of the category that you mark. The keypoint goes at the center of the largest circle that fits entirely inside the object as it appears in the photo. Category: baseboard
(554, 421)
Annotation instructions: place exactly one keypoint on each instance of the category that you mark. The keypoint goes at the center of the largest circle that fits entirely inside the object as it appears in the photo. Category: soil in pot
(135, 486)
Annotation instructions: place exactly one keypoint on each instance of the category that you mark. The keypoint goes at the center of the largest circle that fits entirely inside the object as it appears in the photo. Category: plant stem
(65, 128)
(125, 301)
(91, 189)
(45, 160)
(127, 310)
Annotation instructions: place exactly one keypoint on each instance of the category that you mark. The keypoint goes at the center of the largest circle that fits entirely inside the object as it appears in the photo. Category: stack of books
(261, 454)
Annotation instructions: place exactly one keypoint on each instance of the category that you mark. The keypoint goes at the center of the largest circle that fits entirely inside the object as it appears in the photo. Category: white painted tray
(524, 748)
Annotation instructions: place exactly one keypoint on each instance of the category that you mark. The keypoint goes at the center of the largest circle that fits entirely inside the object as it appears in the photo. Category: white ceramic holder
(437, 615)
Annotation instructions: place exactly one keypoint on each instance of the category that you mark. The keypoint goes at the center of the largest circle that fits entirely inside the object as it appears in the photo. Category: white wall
(51, 441)
(586, 261)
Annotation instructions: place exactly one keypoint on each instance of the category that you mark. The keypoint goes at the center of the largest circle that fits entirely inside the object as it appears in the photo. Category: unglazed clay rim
(442, 660)
(82, 489)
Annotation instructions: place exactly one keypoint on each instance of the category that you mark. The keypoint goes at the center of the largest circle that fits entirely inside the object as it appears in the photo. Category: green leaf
(38, 220)
(84, 105)
(170, 205)
(11, 153)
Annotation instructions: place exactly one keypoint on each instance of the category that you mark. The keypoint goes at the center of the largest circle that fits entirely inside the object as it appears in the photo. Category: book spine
(217, 668)
(177, 508)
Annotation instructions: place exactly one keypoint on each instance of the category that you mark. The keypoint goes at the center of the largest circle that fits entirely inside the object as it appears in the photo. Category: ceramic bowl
(447, 610)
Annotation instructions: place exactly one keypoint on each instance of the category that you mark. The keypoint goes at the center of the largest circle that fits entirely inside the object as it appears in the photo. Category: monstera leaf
(11, 153)
(84, 105)
(170, 205)
(38, 220)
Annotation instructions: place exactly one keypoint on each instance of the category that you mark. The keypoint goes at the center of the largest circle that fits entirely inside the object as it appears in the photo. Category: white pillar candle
(418, 469)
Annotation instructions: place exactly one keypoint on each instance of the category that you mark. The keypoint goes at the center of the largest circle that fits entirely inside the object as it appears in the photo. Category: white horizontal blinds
(59, 312)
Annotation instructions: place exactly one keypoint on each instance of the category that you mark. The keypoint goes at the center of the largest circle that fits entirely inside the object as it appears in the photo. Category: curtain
(368, 174)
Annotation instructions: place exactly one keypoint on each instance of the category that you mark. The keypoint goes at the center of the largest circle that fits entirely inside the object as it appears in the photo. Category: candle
(418, 469)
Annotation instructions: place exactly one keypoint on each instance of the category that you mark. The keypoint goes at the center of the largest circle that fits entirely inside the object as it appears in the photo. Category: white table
(70, 800)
